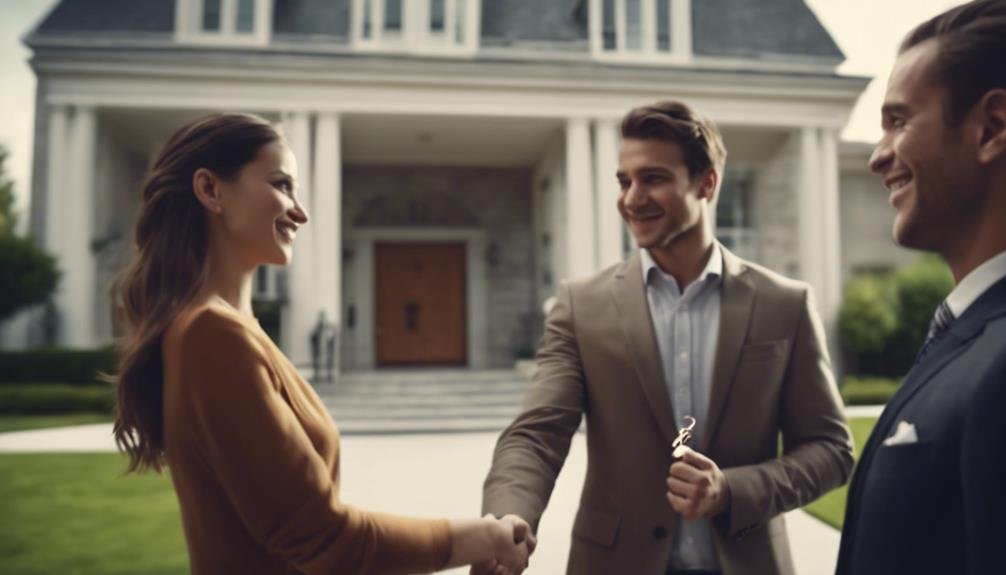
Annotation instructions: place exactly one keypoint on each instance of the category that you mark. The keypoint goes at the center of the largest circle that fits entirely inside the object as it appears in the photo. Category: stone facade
(496, 201)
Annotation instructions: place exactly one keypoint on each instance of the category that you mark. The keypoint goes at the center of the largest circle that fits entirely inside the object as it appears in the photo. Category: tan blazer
(599, 358)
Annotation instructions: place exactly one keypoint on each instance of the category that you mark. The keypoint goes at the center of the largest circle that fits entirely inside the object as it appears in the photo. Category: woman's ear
(205, 185)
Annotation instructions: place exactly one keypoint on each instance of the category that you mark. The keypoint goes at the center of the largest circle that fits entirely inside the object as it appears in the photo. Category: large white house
(457, 156)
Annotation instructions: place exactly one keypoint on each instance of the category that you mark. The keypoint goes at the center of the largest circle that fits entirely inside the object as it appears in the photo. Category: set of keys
(684, 436)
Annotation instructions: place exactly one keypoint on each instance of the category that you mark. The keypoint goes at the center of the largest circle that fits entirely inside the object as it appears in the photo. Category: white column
(609, 221)
(808, 215)
(581, 228)
(76, 298)
(328, 218)
(831, 257)
(56, 171)
(819, 226)
(831, 229)
(301, 309)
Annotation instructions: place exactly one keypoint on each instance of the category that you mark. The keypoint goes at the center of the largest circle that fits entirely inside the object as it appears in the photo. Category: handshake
(492, 546)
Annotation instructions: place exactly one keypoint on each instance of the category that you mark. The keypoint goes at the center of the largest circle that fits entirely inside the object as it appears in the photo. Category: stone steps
(424, 400)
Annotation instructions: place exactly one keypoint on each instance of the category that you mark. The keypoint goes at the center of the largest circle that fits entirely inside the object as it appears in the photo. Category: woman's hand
(496, 546)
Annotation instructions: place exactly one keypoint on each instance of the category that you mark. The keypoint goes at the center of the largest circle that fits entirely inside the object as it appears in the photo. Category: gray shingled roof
(110, 16)
(749, 28)
(733, 28)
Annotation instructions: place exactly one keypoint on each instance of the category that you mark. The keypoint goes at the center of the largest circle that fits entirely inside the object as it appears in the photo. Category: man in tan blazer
(682, 329)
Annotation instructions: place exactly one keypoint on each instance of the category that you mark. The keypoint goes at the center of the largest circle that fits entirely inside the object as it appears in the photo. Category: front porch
(525, 182)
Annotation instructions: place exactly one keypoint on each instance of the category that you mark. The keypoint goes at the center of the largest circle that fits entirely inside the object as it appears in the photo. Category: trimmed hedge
(56, 365)
(39, 398)
(868, 390)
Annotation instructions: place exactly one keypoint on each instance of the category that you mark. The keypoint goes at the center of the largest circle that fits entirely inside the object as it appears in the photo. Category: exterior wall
(775, 208)
(867, 244)
(496, 201)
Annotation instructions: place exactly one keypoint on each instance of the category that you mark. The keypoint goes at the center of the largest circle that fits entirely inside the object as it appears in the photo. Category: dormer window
(423, 26)
(641, 30)
(238, 22)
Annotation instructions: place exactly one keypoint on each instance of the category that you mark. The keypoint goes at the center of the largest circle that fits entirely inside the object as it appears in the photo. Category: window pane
(608, 24)
(211, 15)
(367, 32)
(633, 25)
(733, 209)
(664, 25)
(246, 15)
(393, 15)
(460, 20)
(437, 15)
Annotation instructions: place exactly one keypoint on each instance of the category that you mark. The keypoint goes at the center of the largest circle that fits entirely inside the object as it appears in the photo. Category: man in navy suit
(930, 492)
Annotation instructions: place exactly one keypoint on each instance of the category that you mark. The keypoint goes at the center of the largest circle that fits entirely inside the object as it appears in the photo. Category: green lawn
(74, 514)
(831, 507)
(26, 422)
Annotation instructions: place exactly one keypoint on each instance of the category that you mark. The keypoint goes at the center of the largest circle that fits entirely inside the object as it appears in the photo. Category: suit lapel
(636, 323)
(736, 302)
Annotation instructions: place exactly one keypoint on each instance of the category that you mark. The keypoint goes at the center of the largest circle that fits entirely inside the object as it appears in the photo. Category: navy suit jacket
(938, 505)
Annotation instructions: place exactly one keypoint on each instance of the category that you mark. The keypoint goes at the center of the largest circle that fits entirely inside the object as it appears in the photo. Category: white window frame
(189, 25)
(416, 35)
(680, 27)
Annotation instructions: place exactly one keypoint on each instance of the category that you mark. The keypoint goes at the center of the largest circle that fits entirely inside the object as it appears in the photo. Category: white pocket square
(903, 435)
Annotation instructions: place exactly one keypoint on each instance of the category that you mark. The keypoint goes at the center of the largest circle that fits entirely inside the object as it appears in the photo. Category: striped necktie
(939, 324)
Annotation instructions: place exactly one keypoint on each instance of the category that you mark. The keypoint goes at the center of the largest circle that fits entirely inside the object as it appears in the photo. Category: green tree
(8, 219)
(28, 275)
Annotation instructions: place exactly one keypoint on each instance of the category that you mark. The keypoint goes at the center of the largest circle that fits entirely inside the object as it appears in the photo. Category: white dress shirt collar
(976, 283)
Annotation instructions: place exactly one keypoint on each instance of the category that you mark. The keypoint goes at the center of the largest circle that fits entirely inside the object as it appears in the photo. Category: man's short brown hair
(671, 120)
(971, 53)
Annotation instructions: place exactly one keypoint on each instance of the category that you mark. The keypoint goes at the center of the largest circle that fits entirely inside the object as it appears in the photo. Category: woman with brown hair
(202, 390)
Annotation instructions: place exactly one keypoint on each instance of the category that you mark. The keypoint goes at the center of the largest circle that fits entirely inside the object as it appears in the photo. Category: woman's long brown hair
(169, 269)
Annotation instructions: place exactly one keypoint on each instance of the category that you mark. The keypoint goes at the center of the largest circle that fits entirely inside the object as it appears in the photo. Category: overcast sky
(868, 31)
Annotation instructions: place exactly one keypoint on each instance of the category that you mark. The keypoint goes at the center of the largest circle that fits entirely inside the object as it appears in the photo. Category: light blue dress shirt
(687, 327)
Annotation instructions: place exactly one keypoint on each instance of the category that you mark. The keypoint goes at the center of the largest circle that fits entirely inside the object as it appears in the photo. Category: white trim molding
(229, 28)
(641, 31)
(455, 32)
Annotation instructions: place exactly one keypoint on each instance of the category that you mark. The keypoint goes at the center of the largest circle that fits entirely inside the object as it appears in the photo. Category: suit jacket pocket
(598, 527)
(764, 350)
(907, 459)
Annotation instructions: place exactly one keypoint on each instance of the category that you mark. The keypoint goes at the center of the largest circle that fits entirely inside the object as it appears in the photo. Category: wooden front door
(421, 311)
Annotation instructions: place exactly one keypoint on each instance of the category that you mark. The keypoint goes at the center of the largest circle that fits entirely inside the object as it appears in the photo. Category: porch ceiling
(446, 140)
(380, 139)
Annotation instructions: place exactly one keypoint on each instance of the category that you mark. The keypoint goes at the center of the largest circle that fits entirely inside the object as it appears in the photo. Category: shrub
(868, 390)
(56, 365)
(42, 398)
(867, 319)
(918, 289)
(910, 295)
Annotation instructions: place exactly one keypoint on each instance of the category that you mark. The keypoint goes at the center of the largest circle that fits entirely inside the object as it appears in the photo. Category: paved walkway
(441, 475)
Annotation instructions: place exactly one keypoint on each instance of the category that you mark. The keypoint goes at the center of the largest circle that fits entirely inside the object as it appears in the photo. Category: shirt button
(684, 355)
